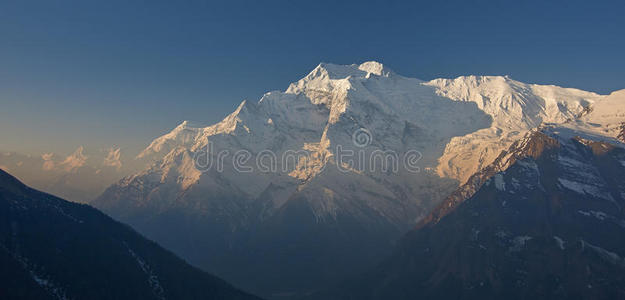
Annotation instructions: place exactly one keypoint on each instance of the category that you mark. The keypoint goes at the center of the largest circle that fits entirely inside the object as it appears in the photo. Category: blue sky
(123, 72)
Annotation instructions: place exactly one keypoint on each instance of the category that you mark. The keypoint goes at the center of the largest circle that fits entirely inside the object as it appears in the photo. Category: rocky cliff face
(545, 221)
(532, 146)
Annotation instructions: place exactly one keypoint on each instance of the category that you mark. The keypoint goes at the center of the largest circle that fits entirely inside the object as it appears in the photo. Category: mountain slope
(312, 209)
(54, 249)
(546, 222)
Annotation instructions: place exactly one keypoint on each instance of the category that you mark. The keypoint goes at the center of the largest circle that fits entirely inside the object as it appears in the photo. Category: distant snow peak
(112, 158)
(74, 160)
(48, 163)
(70, 164)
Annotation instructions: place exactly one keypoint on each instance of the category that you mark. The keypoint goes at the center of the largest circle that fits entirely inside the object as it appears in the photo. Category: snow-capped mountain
(80, 176)
(515, 108)
(604, 119)
(317, 208)
(544, 221)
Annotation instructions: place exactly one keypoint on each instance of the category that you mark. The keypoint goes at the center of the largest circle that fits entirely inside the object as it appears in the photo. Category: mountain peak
(184, 124)
(376, 68)
(74, 160)
(334, 71)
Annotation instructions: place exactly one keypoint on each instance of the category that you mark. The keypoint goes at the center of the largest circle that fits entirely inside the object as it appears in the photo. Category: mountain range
(311, 213)
(79, 177)
(449, 188)
(548, 226)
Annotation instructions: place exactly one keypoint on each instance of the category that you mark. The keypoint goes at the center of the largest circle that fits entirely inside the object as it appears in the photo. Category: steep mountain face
(54, 249)
(544, 221)
(318, 182)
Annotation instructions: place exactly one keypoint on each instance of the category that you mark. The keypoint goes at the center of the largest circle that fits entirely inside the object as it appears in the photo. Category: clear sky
(98, 73)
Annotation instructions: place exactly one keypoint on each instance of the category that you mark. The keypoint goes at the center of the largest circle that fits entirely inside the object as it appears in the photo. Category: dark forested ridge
(54, 249)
